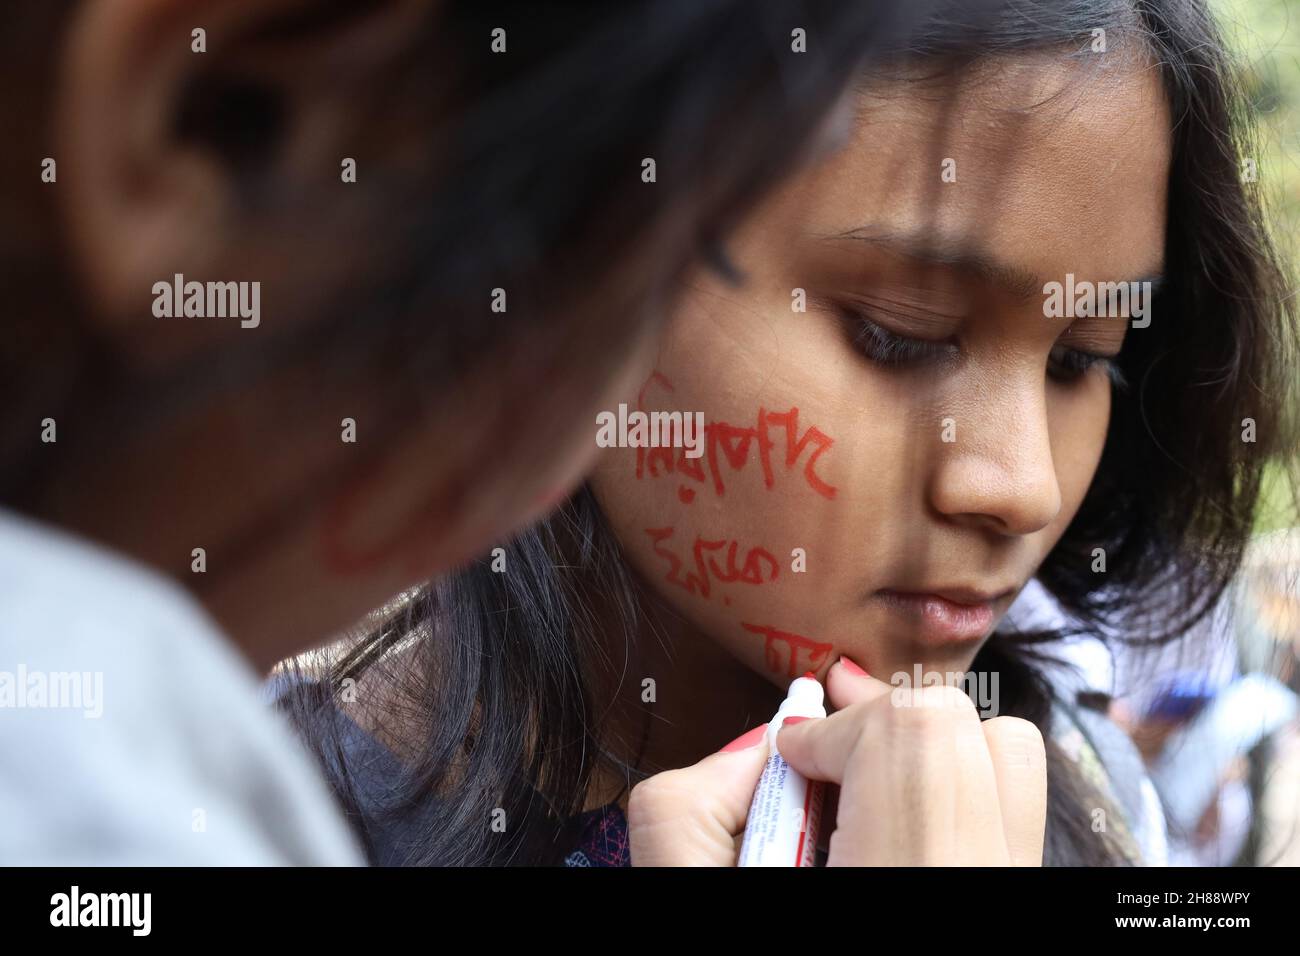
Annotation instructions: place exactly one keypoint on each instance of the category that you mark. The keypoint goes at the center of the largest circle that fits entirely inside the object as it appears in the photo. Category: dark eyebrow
(971, 258)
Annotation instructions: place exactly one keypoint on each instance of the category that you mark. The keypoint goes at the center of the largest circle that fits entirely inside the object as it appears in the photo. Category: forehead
(1059, 163)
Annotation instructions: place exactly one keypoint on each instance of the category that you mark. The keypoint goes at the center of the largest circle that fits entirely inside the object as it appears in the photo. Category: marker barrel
(785, 814)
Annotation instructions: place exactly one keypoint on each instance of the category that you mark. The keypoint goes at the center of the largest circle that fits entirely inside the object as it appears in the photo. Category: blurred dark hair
(492, 693)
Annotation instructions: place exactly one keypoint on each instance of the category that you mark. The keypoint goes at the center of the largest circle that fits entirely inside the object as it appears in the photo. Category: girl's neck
(672, 699)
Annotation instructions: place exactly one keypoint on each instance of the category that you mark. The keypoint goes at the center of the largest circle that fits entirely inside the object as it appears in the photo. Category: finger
(1020, 766)
(979, 812)
(919, 773)
(692, 816)
(819, 747)
(823, 757)
(899, 803)
(848, 684)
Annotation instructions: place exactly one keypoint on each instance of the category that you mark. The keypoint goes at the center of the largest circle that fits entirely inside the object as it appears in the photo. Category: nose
(997, 471)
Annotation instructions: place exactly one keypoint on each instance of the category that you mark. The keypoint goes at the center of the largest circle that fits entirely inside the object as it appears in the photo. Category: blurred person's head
(467, 221)
(922, 422)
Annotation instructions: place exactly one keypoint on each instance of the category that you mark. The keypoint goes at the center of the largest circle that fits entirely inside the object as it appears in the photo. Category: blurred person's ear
(203, 138)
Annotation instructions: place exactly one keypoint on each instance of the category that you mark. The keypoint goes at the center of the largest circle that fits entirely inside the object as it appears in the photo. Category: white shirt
(131, 731)
(1088, 665)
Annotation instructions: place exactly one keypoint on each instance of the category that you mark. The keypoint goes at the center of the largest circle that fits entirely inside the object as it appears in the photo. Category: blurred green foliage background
(1265, 35)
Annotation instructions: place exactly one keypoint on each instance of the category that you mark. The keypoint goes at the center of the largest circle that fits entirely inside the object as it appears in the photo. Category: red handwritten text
(757, 566)
(792, 654)
(732, 446)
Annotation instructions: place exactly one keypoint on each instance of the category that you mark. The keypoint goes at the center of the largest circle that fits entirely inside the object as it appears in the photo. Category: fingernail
(793, 720)
(853, 668)
(750, 738)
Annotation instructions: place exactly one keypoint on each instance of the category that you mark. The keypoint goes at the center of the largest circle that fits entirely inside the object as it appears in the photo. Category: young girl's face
(887, 407)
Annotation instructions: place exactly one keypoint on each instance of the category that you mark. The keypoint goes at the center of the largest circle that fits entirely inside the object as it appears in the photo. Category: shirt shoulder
(131, 732)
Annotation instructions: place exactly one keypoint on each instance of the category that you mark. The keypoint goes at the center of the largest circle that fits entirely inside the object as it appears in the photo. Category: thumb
(692, 816)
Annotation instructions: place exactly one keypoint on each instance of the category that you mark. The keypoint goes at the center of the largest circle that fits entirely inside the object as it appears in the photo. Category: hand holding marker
(784, 817)
(983, 803)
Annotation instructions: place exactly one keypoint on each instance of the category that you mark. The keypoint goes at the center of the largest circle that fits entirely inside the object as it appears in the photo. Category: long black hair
(483, 681)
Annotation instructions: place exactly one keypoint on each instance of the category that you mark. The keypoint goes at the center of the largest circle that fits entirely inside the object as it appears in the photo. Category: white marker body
(786, 810)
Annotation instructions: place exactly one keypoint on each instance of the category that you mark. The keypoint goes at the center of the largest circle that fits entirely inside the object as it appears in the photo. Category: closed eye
(1071, 364)
(892, 350)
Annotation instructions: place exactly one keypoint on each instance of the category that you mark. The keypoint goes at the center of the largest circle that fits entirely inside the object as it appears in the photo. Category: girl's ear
(211, 138)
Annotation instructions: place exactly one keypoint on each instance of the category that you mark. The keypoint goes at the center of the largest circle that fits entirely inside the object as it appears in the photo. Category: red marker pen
(787, 806)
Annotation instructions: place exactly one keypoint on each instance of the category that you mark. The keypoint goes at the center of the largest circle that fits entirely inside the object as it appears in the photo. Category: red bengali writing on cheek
(758, 566)
(789, 654)
(735, 443)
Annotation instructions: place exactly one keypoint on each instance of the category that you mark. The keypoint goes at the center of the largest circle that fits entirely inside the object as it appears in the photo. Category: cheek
(735, 568)
(1079, 423)
(761, 540)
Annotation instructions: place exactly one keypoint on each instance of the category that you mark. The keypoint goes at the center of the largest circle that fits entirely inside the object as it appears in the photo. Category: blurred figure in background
(1213, 717)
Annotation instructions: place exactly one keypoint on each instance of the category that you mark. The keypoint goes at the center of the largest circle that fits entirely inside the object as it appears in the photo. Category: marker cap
(805, 698)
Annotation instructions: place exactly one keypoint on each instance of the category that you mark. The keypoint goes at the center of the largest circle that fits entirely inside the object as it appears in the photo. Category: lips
(945, 614)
